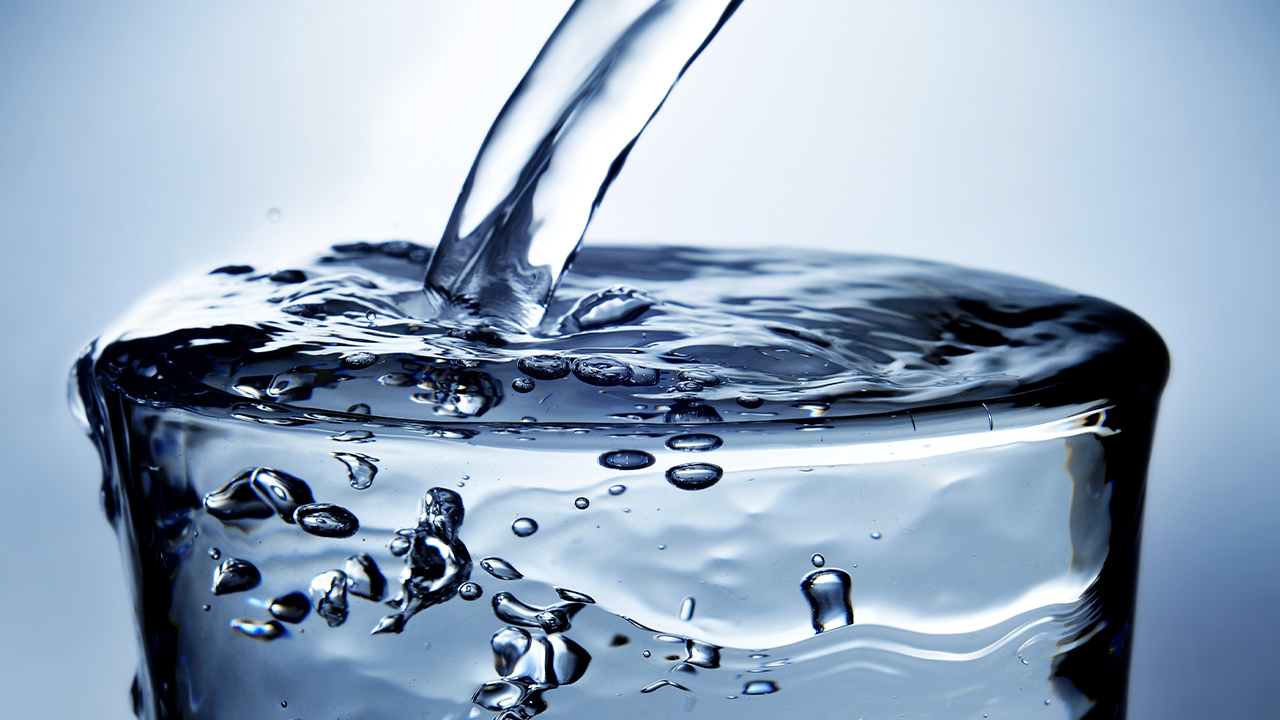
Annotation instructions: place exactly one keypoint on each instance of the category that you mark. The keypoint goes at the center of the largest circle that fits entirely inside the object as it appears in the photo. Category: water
(898, 488)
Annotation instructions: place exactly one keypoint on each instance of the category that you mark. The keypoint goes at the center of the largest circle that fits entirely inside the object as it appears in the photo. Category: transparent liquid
(766, 486)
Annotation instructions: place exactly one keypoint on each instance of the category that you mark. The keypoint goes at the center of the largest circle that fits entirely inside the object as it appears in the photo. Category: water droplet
(828, 593)
(876, 536)
(273, 215)
(326, 520)
(686, 609)
(399, 545)
(500, 569)
(705, 378)
(510, 610)
(613, 306)
(553, 621)
(360, 469)
(691, 412)
(232, 270)
(470, 591)
(284, 704)
(688, 386)
(760, 687)
(694, 476)
(235, 575)
(642, 376)
(329, 595)
(704, 655)
(291, 608)
(524, 527)
(646, 653)
(522, 385)
(283, 491)
(358, 360)
(353, 436)
(364, 579)
(696, 442)
(498, 695)
(817, 560)
(601, 371)
(288, 277)
(508, 644)
(360, 409)
(626, 460)
(544, 367)
(265, 631)
(237, 501)
(750, 402)
(617, 489)
(582, 503)
(206, 608)
(215, 553)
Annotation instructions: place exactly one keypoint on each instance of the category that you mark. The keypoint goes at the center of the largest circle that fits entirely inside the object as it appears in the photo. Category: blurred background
(1128, 150)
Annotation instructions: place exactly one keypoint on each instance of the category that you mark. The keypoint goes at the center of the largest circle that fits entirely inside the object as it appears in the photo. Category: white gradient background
(1125, 149)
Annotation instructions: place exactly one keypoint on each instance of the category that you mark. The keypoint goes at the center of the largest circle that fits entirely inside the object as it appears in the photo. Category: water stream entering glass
(551, 154)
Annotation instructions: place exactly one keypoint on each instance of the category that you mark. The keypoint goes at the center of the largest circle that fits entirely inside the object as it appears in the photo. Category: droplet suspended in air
(829, 596)
(696, 442)
(617, 489)
(626, 460)
(470, 591)
(215, 553)
(273, 215)
(686, 609)
(256, 629)
(500, 569)
(876, 536)
(582, 503)
(694, 476)
(508, 644)
(360, 469)
(817, 560)
(524, 527)
(292, 608)
(235, 575)
(326, 520)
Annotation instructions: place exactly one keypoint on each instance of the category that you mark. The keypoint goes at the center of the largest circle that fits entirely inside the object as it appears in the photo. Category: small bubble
(696, 442)
(500, 569)
(817, 560)
(694, 476)
(470, 591)
(646, 653)
(760, 687)
(688, 386)
(686, 609)
(524, 527)
(358, 360)
(601, 371)
(207, 608)
(582, 503)
(617, 489)
(544, 367)
(326, 520)
(284, 703)
(265, 631)
(876, 536)
(215, 553)
(273, 215)
(235, 575)
(522, 385)
(750, 402)
(626, 460)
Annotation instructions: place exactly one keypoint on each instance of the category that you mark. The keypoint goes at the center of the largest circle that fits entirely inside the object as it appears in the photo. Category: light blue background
(1125, 149)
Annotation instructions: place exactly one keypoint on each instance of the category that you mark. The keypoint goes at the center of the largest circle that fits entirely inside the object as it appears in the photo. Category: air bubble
(760, 687)
(273, 215)
(364, 579)
(688, 386)
(686, 609)
(500, 569)
(524, 527)
(817, 560)
(360, 469)
(696, 442)
(617, 489)
(258, 630)
(329, 595)
(292, 608)
(828, 593)
(750, 402)
(544, 367)
(470, 591)
(522, 385)
(235, 575)
(582, 503)
(215, 553)
(358, 360)
(601, 371)
(694, 476)
(326, 520)
(626, 460)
